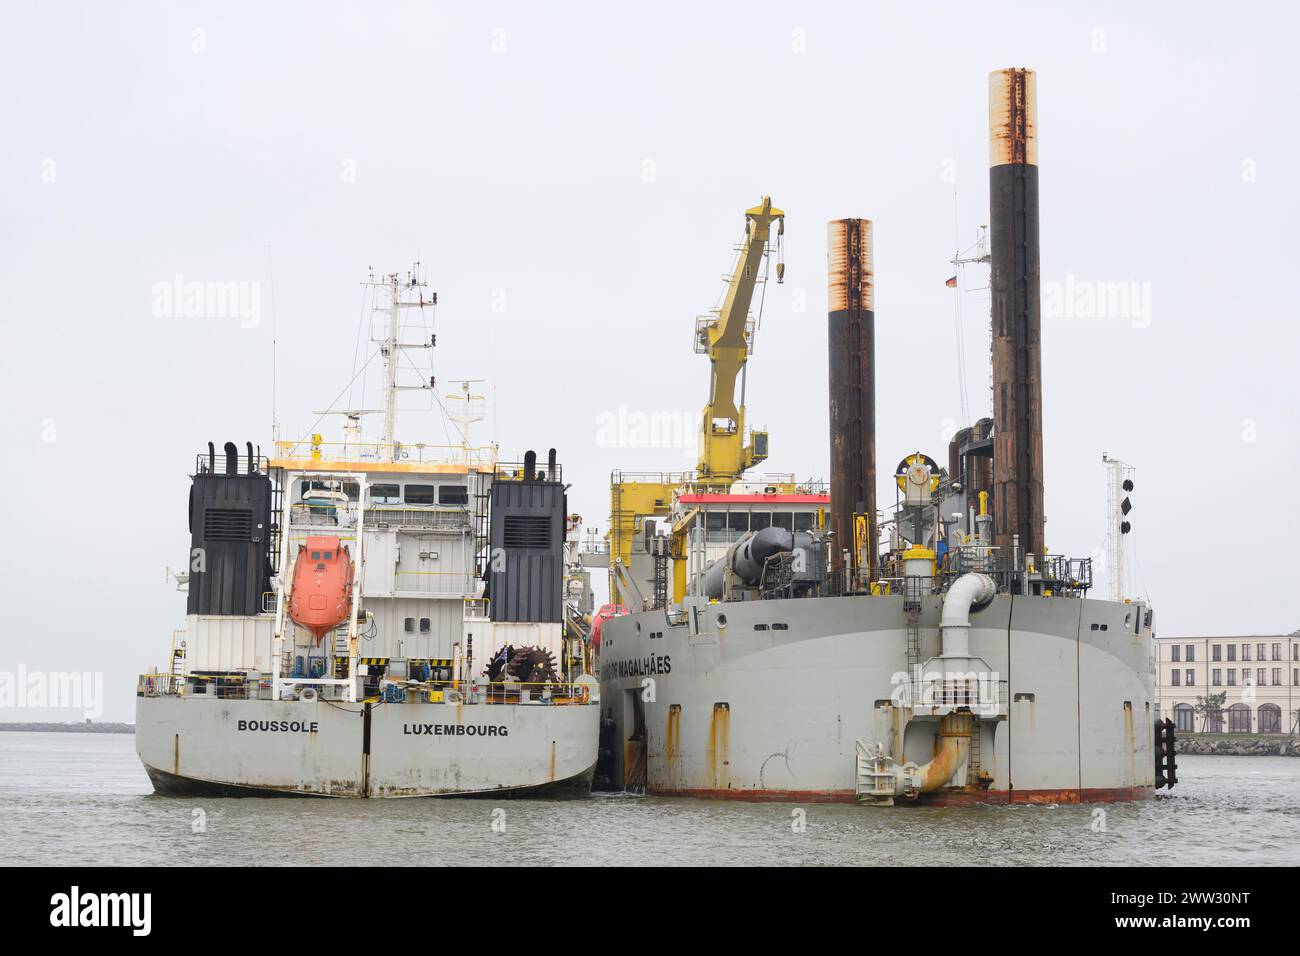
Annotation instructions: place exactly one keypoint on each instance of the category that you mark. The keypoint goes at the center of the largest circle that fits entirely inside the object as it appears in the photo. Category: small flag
(951, 283)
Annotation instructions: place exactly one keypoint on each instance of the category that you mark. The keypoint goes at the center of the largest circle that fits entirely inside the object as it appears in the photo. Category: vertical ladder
(482, 505)
(339, 647)
(973, 764)
(912, 615)
(177, 667)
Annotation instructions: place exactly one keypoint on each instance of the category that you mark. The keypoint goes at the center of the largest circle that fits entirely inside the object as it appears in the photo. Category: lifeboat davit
(321, 598)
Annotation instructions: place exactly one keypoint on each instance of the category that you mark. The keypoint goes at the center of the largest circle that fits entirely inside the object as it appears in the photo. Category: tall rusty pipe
(1017, 360)
(852, 340)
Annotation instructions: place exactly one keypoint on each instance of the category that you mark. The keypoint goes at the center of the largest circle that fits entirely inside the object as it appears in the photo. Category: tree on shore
(1210, 708)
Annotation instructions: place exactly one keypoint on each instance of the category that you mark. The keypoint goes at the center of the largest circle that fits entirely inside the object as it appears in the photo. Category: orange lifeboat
(321, 598)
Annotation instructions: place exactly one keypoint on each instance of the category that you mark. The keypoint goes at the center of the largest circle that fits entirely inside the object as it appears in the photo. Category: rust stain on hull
(634, 765)
(720, 746)
(673, 746)
(943, 798)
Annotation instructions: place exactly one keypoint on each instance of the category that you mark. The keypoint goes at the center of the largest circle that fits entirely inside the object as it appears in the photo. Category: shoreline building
(1260, 674)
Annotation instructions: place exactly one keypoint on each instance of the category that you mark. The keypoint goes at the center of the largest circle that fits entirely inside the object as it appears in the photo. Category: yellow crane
(728, 339)
(726, 336)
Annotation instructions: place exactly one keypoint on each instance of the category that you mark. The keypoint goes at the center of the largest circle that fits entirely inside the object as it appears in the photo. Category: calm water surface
(80, 799)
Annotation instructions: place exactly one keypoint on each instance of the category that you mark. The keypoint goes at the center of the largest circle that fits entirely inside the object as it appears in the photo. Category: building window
(1261, 677)
(1270, 719)
(1232, 677)
(1238, 719)
(1277, 652)
(1216, 652)
(1277, 677)
(1190, 656)
(1190, 676)
(1245, 652)
(1232, 652)
(1260, 651)
(1184, 718)
(1216, 677)
(1175, 652)
(1295, 677)
(1175, 677)
(1295, 652)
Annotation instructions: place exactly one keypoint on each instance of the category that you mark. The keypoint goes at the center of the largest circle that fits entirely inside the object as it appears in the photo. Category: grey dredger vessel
(783, 643)
(375, 619)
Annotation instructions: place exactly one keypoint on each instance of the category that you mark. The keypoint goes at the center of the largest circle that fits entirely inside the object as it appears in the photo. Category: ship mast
(391, 347)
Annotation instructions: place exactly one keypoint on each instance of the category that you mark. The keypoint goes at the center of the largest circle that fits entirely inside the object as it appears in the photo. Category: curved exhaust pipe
(969, 592)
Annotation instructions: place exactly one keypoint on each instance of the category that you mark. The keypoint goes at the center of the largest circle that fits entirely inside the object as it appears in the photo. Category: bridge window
(738, 521)
(783, 519)
(715, 521)
(420, 494)
(804, 520)
(453, 495)
(758, 520)
(386, 494)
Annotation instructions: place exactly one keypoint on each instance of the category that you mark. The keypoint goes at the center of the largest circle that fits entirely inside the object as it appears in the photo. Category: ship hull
(210, 746)
(777, 702)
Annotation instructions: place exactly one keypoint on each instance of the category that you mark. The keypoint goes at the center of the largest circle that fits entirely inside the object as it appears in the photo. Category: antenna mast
(391, 347)
(1119, 481)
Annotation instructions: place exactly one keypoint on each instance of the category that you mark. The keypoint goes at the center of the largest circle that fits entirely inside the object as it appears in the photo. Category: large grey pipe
(748, 557)
(968, 592)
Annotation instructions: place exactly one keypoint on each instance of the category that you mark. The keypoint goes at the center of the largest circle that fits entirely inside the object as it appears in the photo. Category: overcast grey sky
(573, 178)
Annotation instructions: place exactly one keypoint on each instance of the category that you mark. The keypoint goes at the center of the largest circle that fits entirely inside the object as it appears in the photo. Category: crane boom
(723, 452)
